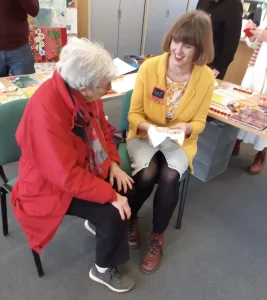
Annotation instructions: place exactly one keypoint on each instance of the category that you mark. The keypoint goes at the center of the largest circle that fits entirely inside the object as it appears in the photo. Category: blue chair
(126, 163)
(10, 116)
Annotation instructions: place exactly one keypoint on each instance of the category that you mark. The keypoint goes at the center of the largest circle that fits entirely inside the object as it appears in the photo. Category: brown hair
(195, 29)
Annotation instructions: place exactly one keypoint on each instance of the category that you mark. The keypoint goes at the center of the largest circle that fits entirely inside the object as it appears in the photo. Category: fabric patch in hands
(158, 135)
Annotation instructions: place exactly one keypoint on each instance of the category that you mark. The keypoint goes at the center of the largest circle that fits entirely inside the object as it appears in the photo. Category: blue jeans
(19, 61)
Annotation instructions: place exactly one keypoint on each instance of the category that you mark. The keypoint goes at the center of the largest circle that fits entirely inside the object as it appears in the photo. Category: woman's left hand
(186, 127)
(123, 180)
(260, 34)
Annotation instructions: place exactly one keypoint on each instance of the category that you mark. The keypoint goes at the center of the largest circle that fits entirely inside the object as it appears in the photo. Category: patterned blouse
(174, 93)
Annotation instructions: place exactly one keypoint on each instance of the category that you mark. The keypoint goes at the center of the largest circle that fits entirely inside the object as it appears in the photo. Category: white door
(131, 27)
(104, 24)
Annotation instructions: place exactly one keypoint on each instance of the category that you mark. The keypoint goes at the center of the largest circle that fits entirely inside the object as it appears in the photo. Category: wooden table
(116, 96)
(225, 119)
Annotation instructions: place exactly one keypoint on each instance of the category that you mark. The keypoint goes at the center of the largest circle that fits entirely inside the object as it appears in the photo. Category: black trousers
(111, 231)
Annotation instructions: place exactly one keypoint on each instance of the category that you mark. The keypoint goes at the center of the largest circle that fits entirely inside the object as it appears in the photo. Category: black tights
(167, 194)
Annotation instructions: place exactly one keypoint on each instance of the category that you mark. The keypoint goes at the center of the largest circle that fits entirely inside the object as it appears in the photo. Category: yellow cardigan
(193, 107)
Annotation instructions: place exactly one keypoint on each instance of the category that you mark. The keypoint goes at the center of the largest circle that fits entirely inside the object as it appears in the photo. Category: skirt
(141, 153)
(259, 142)
(250, 80)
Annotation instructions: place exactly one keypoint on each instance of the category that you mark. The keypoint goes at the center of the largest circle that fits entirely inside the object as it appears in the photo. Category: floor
(220, 253)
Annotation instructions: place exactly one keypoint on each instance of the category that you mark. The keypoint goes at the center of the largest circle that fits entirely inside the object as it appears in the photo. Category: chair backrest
(10, 116)
(124, 123)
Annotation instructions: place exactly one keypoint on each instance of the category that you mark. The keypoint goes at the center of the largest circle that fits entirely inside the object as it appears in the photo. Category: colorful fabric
(46, 43)
(174, 93)
(255, 54)
(87, 118)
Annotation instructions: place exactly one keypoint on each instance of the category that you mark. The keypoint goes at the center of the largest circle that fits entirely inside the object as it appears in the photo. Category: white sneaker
(90, 227)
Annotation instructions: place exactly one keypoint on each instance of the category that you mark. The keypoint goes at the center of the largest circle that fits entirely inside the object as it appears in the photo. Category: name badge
(158, 95)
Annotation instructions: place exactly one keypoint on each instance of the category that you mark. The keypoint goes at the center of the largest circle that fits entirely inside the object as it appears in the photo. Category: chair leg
(182, 203)
(38, 263)
(4, 211)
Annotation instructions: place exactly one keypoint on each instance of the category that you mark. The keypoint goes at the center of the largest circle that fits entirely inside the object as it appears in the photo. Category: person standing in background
(15, 51)
(256, 79)
(226, 17)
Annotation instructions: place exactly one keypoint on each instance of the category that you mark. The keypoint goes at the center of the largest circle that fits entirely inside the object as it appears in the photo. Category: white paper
(158, 135)
(53, 4)
(124, 84)
(122, 67)
(71, 22)
(59, 18)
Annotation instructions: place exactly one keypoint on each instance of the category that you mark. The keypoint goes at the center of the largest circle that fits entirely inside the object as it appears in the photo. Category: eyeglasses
(105, 89)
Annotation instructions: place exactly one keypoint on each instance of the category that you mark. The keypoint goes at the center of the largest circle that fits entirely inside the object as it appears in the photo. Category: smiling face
(182, 55)
(190, 40)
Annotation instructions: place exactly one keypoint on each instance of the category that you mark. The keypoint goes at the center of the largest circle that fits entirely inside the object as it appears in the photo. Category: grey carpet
(220, 253)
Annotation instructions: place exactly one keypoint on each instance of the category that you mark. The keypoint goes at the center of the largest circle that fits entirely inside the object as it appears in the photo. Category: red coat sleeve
(112, 148)
(47, 141)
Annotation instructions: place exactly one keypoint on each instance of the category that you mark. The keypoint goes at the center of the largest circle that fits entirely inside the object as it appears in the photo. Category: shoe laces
(154, 245)
(115, 273)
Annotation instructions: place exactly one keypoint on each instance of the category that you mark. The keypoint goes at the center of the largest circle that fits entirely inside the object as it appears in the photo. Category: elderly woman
(69, 163)
(172, 90)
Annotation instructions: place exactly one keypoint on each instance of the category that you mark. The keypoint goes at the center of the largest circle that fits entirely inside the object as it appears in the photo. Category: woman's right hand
(250, 24)
(122, 206)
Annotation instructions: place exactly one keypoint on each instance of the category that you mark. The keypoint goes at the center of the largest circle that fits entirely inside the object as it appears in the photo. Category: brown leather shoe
(134, 240)
(258, 163)
(152, 259)
(236, 149)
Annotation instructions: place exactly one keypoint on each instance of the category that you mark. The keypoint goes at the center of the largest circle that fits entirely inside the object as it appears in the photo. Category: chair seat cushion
(184, 175)
(12, 181)
(125, 159)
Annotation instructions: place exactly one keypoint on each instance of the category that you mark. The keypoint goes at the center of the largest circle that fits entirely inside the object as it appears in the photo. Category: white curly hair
(84, 63)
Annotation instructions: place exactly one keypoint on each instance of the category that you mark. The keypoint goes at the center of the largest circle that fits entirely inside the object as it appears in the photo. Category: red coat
(52, 167)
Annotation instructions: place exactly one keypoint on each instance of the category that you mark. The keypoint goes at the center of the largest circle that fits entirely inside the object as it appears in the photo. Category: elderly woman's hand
(186, 127)
(122, 206)
(123, 180)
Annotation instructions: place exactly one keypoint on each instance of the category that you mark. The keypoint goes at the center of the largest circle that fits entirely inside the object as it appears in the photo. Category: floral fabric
(174, 93)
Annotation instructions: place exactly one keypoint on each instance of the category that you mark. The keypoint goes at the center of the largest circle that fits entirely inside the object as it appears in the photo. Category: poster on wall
(57, 14)
(53, 4)
(72, 26)
(48, 31)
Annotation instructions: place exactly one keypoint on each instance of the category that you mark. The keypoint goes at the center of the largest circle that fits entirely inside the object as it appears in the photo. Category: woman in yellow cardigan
(172, 90)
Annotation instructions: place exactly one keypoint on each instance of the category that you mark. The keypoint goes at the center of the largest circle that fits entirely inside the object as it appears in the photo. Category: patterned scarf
(87, 127)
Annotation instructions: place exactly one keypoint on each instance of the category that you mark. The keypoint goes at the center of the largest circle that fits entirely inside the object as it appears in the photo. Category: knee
(169, 176)
(114, 224)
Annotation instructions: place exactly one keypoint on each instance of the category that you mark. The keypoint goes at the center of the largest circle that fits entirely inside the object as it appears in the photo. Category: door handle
(167, 13)
(119, 14)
